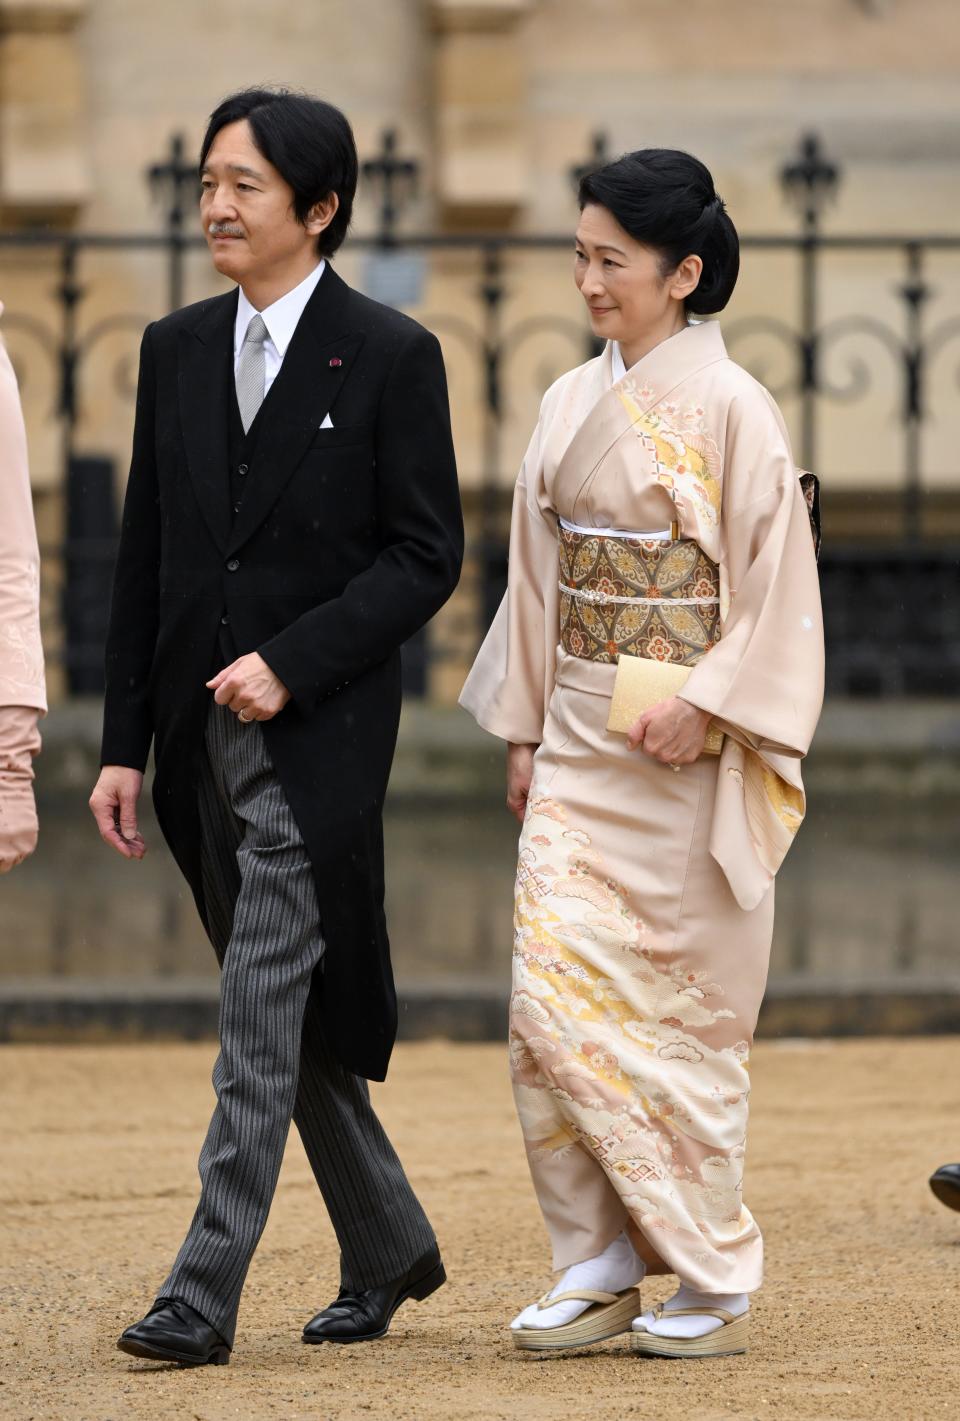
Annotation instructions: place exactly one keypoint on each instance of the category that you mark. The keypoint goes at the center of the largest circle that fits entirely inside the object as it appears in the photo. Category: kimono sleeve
(764, 678)
(21, 653)
(509, 687)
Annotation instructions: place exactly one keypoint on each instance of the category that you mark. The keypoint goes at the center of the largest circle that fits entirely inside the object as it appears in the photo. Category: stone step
(472, 1009)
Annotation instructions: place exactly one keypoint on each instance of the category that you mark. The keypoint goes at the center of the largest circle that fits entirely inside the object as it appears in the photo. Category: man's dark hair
(666, 199)
(308, 141)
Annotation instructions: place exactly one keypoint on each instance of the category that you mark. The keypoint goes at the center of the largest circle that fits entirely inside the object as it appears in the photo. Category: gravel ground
(860, 1317)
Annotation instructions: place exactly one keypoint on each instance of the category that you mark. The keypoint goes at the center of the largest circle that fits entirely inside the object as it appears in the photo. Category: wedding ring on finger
(244, 715)
(674, 768)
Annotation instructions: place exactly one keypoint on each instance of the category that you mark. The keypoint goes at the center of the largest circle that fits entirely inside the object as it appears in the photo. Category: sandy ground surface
(860, 1317)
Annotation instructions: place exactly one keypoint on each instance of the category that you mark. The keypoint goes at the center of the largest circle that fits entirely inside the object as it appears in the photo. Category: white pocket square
(327, 423)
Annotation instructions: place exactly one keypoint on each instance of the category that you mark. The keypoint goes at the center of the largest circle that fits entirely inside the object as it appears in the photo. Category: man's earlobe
(322, 214)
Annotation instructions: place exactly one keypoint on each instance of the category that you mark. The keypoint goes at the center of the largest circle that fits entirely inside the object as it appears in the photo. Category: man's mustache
(221, 229)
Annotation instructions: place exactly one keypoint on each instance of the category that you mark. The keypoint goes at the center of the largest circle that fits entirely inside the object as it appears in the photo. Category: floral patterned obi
(636, 595)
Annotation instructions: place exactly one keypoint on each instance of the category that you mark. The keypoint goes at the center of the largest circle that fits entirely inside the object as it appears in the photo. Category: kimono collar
(699, 343)
(646, 384)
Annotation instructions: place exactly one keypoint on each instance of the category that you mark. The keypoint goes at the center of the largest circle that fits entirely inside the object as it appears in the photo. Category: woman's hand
(672, 732)
(519, 775)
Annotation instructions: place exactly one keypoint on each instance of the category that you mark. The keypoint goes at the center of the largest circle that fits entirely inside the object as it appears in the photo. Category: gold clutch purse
(642, 683)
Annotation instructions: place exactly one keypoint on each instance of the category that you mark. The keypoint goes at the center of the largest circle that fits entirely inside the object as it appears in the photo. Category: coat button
(233, 564)
(225, 619)
(243, 469)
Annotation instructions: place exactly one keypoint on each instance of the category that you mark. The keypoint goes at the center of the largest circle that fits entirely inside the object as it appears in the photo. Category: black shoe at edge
(945, 1183)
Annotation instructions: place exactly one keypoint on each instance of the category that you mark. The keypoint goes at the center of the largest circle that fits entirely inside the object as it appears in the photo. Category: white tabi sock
(684, 1297)
(616, 1268)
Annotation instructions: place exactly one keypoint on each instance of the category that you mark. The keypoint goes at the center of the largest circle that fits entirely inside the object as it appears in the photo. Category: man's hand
(519, 776)
(114, 806)
(249, 685)
(672, 732)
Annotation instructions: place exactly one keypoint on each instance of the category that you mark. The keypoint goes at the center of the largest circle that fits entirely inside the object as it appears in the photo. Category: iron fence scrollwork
(827, 361)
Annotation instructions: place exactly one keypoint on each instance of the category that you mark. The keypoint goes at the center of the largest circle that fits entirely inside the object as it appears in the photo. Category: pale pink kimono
(644, 897)
(22, 687)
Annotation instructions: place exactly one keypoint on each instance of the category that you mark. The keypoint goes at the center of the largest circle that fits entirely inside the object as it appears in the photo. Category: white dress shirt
(281, 320)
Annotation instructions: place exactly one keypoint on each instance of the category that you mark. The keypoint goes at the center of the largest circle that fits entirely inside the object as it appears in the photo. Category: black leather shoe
(363, 1316)
(173, 1332)
(945, 1183)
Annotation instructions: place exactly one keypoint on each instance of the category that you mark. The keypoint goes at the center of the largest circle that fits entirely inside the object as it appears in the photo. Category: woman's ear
(685, 279)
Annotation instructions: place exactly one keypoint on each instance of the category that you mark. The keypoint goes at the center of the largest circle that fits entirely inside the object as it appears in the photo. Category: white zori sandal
(611, 1314)
(726, 1341)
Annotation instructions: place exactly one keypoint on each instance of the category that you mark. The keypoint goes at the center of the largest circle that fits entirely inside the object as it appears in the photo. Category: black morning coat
(347, 541)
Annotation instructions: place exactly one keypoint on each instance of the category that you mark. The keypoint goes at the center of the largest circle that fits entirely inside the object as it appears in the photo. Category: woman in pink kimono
(22, 692)
(658, 515)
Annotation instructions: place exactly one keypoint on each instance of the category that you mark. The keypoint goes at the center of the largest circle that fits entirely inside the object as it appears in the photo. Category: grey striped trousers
(264, 923)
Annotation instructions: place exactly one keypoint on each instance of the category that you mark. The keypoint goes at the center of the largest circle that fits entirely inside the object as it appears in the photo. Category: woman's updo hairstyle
(666, 200)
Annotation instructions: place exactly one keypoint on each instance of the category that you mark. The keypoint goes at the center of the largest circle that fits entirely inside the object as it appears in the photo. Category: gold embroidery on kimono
(687, 453)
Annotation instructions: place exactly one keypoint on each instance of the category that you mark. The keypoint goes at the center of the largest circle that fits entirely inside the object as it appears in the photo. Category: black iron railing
(825, 361)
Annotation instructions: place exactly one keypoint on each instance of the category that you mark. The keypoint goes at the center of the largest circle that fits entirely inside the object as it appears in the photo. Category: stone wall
(496, 98)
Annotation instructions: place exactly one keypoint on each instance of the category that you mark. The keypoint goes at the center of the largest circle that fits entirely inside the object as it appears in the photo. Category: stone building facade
(496, 99)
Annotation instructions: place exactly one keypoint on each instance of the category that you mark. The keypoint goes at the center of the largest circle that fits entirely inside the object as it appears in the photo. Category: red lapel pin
(335, 360)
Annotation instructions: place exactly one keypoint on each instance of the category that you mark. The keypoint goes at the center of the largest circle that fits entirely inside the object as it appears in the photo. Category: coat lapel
(319, 359)
(203, 378)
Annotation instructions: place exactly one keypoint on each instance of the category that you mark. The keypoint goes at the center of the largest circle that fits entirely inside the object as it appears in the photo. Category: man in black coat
(291, 518)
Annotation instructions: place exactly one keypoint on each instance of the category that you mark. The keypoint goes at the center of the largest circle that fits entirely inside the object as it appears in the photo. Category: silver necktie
(250, 377)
